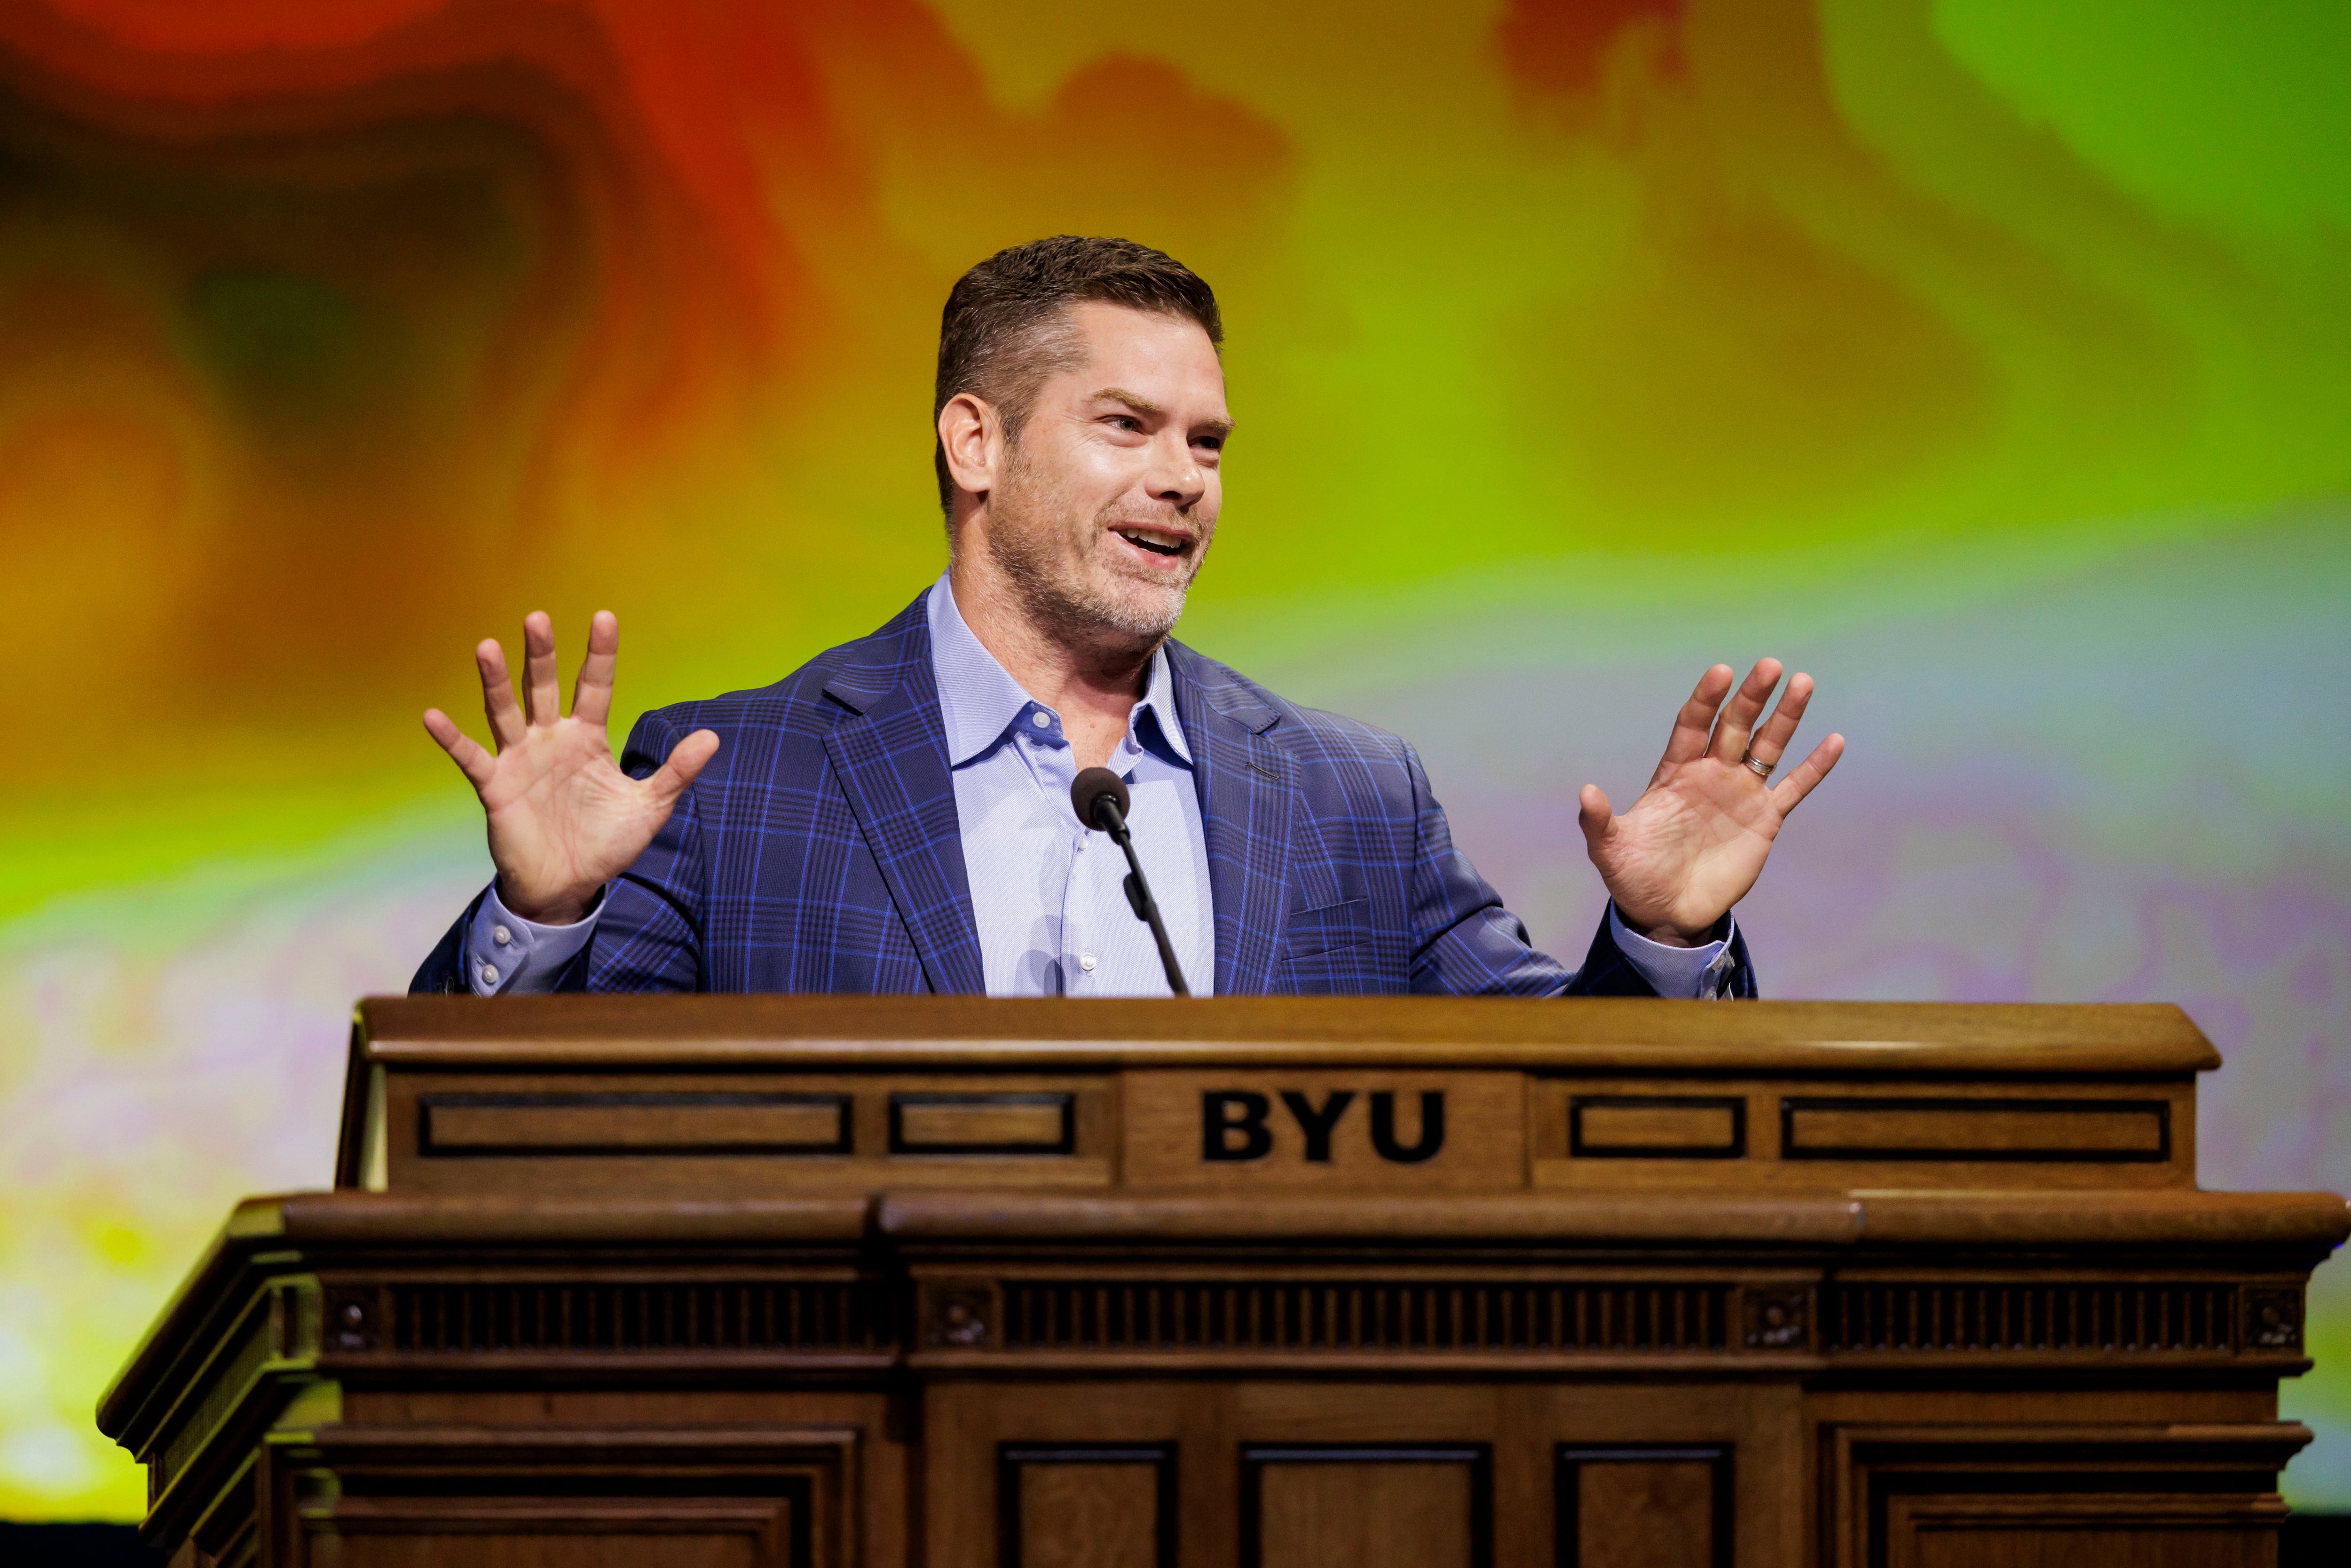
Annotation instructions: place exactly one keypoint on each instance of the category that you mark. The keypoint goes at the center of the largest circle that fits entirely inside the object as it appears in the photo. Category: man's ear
(971, 433)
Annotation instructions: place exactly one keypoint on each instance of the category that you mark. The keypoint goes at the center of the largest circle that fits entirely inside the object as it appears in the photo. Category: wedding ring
(1757, 766)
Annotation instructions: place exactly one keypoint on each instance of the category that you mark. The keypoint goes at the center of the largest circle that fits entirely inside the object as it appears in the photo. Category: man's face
(1107, 501)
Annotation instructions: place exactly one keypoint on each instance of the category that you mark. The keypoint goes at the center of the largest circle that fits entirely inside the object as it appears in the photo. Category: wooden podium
(869, 1283)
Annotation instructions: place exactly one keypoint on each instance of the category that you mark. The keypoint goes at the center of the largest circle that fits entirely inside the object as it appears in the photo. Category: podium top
(1841, 1038)
(781, 1096)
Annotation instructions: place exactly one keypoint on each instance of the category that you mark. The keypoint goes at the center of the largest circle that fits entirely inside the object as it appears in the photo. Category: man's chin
(1143, 609)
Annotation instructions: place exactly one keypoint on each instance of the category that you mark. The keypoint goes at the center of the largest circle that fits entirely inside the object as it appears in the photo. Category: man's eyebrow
(1142, 404)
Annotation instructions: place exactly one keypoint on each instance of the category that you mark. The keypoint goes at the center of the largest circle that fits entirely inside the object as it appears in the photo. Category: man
(896, 815)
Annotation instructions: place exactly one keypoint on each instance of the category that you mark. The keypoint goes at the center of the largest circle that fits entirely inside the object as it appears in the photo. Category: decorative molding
(349, 1320)
(1777, 1317)
(2273, 1317)
(2028, 1316)
(617, 1317)
(960, 1317)
(1295, 1317)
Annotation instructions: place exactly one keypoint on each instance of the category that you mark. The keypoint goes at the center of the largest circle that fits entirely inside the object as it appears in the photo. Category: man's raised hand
(1697, 839)
(563, 819)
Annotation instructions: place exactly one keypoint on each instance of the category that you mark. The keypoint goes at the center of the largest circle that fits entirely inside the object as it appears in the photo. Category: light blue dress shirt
(1047, 892)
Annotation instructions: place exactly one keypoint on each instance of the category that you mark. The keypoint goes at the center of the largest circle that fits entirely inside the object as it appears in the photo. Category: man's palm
(563, 819)
(1697, 839)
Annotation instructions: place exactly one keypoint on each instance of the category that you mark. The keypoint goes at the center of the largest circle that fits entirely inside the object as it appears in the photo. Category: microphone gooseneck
(1101, 799)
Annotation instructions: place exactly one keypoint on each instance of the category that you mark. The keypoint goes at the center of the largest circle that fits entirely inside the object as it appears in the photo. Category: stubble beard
(1060, 596)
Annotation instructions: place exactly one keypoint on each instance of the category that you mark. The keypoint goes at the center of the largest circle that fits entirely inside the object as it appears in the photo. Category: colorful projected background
(1991, 359)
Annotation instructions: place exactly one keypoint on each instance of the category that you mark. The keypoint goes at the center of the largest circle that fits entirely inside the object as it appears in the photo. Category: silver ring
(1757, 766)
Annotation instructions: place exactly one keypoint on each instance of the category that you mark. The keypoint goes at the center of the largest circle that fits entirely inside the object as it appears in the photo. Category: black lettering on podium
(1318, 1125)
(1218, 1123)
(1432, 1127)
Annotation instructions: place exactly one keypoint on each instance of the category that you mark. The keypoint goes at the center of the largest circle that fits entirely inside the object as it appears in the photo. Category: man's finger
(592, 695)
(1792, 790)
(1739, 715)
(542, 697)
(1695, 720)
(1769, 743)
(498, 706)
(686, 759)
(476, 763)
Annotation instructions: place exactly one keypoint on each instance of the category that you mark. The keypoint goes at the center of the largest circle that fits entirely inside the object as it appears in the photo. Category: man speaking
(896, 815)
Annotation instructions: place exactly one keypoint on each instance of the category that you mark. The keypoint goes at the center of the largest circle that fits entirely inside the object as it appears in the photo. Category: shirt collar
(980, 700)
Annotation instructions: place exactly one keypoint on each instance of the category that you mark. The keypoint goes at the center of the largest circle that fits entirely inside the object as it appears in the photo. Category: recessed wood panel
(540, 1548)
(2068, 1545)
(1662, 1507)
(557, 1496)
(778, 1135)
(983, 1123)
(1086, 1506)
(2038, 1495)
(2102, 1132)
(1656, 1126)
(656, 1123)
(1366, 1508)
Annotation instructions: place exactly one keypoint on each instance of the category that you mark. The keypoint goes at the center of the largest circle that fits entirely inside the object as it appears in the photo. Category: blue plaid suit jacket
(821, 852)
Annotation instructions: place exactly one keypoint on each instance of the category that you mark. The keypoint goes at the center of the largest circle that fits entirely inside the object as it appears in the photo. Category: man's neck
(1091, 683)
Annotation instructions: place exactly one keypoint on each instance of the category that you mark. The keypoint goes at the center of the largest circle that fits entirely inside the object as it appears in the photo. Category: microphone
(1102, 802)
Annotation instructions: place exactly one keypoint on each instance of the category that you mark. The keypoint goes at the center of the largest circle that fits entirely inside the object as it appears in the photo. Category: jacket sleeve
(1465, 944)
(444, 970)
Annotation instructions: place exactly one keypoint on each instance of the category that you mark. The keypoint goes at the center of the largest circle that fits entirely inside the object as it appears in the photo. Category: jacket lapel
(890, 753)
(1247, 787)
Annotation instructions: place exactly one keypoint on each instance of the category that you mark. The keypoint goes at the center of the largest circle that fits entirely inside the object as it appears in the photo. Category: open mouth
(1156, 543)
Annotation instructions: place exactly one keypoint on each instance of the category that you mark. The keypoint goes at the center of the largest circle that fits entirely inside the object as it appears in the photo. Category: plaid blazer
(821, 852)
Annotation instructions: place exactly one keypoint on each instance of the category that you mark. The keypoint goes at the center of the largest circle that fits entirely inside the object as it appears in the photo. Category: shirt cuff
(1701, 972)
(508, 955)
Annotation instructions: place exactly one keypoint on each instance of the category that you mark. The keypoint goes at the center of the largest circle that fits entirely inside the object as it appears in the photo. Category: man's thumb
(686, 760)
(1593, 816)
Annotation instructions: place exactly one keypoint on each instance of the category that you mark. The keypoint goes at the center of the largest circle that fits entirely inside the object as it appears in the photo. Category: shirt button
(502, 936)
(1086, 962)
(1041, 719)
(489, 975)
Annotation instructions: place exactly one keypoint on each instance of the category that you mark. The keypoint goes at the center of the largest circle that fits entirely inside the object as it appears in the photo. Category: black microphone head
(1093, 787)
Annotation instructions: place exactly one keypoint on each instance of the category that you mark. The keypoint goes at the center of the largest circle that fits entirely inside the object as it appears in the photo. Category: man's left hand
(1697, 839)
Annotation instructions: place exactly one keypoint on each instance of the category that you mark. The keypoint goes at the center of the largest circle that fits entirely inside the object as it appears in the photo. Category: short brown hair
(996, 337)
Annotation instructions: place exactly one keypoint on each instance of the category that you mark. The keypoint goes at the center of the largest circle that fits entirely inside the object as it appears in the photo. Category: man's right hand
(563, 819)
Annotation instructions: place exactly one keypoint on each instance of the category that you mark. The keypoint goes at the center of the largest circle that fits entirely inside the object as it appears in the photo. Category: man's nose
(1175, 475)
